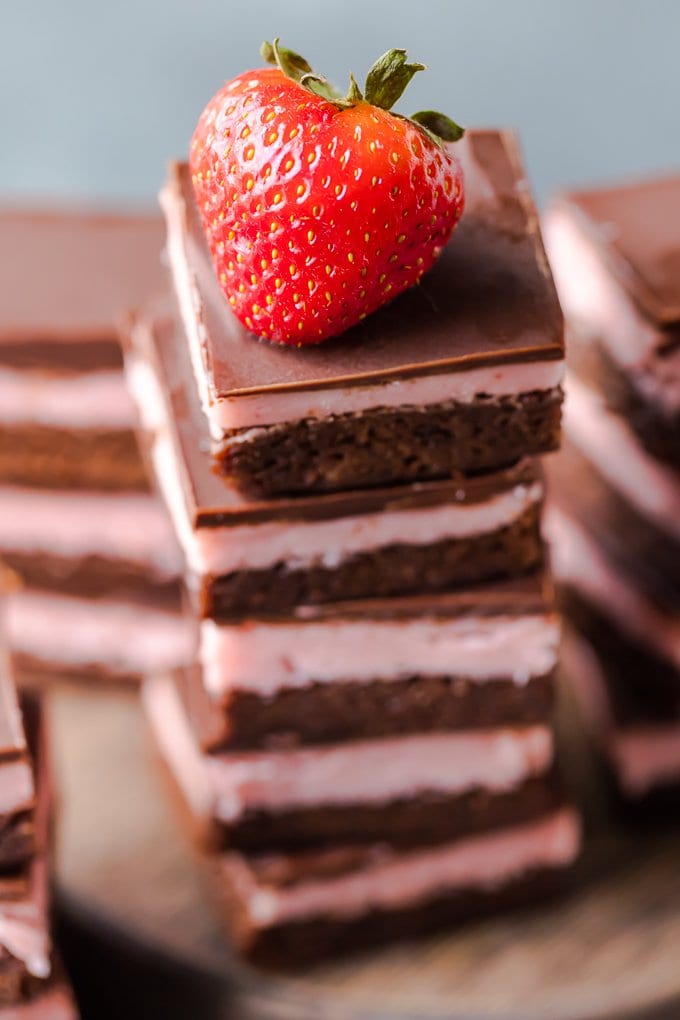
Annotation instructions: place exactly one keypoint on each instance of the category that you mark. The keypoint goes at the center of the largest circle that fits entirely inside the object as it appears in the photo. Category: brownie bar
(461, 374)
(657, 427)
(329, 713)
(50, 457)
(251, 558)
(648, 554)
(384, 446)
(614, 252)
(285, 934)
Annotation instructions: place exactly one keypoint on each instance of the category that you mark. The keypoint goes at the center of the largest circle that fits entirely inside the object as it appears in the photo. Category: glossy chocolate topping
(488, 300)
(156, 338)
(637, 230)
(68, 276)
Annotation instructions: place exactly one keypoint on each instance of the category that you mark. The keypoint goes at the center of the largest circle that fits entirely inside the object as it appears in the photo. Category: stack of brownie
(30, 981)
(77, 522)
(367, 731)
(616, 486)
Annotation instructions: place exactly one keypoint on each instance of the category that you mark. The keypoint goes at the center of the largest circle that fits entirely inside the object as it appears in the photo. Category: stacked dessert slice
(616, 515)
(76, 519)
(367, 731)
(30, 983)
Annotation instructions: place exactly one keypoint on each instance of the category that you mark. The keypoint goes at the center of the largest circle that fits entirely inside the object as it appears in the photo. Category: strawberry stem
(386, 82)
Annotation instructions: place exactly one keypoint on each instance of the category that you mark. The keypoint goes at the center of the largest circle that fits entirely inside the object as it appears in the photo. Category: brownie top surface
(69, 275)
(636, 228)
(156, 338)
(489, 298)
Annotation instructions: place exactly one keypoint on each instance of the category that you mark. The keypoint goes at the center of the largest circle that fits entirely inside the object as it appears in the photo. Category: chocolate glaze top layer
(636, 228)
(68, 276)
(155, 337)
(489, 299)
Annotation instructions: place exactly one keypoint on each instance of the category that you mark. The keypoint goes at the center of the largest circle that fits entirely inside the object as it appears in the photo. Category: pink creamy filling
(577, 561)
(124, 526)
(306, 543)
(606, 440)
(360, 772)
(273, 408)
(643, 756)
(97, 400)
(396, 880)
(123, 637)
(265, 657)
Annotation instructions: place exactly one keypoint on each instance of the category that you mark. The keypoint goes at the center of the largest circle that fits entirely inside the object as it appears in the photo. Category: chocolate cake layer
(50, 457)
(329, 713)
(391, 570)
(17, 784)
(293, 910)
(427, 818)
(476, 347)
(649, 555)
(385, 446)
(250, 558)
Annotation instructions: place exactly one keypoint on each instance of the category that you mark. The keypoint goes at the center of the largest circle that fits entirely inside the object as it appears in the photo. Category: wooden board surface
(610, 950)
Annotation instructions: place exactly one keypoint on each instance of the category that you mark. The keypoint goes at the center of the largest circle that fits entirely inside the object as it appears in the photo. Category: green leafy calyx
(385, 84)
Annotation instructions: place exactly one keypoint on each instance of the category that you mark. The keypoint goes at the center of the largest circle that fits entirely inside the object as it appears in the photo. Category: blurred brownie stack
(95, 550)
(615, 519)
(31, 984)
(367, 731)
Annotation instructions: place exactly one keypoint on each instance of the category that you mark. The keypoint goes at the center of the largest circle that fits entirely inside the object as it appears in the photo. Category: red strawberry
(317, 209)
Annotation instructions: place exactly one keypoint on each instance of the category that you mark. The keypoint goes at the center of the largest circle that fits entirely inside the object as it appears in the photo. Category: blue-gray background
(96, 96)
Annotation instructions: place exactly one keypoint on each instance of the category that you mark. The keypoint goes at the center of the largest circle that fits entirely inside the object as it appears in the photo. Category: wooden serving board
(610, 950)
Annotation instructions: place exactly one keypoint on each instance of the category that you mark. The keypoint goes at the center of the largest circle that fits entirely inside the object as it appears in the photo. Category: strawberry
(319, 209)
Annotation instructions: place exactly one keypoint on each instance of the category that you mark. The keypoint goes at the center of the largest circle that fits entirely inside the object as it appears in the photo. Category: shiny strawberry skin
(316, 216)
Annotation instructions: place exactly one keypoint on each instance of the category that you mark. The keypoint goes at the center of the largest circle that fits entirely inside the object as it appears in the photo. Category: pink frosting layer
(607, 441)
(394, 880)
(96, 400)
(591, 298)
(305, 543)
(258, 410)
(642, 756)
(371, 771)
(121, 637)
(266, 657)
(123, 526)
(578, 561)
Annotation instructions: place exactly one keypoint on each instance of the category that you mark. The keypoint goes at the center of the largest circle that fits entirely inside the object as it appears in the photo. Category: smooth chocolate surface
(68, 275)
(332, 712)
(636, 228)
(155, 337)
(488, 300)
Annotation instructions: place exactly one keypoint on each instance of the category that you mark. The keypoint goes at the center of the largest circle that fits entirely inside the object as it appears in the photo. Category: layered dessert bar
(615, 256)
(616, 484)
(484, 826)
(622, 659)
(459, 375)
(77, 521)
(30, 981)
(246, 557)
